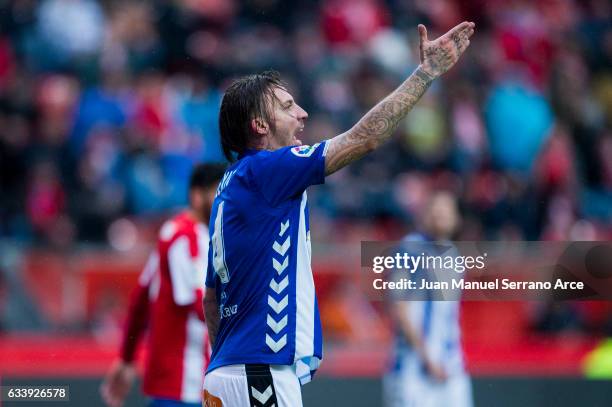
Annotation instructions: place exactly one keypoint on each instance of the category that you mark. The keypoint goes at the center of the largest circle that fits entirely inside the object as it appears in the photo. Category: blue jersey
(259, 261)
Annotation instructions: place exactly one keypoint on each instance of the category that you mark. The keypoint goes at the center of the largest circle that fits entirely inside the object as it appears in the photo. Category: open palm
(439, 55)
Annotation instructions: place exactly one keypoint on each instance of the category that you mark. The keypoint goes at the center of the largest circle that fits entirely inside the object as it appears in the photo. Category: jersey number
(218, 247)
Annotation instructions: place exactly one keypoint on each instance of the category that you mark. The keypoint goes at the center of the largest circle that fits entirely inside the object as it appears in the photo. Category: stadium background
(105, 106)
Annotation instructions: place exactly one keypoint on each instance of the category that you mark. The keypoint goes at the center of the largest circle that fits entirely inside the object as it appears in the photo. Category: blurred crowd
(105, 106)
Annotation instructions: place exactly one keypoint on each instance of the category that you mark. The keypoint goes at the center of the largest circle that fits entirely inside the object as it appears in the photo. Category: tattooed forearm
(436, 57)
(377, 125)
(211, 311)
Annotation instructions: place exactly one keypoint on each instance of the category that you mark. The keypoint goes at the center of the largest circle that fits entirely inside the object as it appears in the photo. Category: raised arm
(380, 122)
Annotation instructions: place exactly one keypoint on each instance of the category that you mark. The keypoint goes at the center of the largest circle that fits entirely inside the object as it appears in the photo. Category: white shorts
(252, 385)
(418, 390)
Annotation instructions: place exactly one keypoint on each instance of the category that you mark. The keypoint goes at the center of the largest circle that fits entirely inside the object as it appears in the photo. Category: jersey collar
(248, 151)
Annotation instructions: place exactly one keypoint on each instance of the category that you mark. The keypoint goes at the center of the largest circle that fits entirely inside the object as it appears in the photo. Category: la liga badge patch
(304, 151)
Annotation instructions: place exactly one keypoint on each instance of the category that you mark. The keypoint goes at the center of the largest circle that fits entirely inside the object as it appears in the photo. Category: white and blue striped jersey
(436, 320)
(259, 261)
(438, 323)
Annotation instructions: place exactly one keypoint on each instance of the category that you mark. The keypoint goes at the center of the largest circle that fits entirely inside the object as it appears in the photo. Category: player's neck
(265, 143)
(199, 218)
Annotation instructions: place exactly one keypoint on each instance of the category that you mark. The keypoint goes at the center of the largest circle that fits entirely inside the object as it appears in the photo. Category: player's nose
(301, 113)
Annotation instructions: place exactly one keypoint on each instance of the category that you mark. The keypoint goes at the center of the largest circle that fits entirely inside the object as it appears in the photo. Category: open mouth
(297, 140)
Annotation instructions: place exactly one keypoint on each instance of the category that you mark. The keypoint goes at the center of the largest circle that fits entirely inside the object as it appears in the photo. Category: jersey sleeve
(138, 310)
(186, 271)
(149, 270)
(288, 171)
(135, 323)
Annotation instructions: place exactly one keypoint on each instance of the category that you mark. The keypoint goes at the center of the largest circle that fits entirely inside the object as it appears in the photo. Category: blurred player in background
(169, 299)
(428, 368)
(261, 308)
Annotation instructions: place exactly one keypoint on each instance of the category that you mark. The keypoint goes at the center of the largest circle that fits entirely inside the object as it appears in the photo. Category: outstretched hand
(439, 55)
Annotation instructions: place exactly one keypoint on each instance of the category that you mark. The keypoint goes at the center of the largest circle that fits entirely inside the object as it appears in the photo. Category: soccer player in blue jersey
(260, 301)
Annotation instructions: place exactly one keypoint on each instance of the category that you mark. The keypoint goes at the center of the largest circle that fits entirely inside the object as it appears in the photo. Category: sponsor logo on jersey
(304, 151)
(226, 312)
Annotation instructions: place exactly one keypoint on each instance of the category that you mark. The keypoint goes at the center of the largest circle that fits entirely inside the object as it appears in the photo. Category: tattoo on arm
(211, 310)
(377, 125)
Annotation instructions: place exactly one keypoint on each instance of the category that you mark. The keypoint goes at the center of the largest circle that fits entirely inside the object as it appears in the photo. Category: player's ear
(259, 126)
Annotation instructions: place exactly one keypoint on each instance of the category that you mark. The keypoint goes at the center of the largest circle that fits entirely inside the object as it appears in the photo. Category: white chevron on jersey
(283, 228)
(282, 249)
(279, 287)
(280, 267)
(278, 307)
(277, 326)
(276, 345)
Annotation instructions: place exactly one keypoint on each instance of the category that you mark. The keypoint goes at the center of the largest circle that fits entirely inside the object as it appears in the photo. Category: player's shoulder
(259, 157)
(181, 224)
(416, 237)
(287, 153)
(246, 168)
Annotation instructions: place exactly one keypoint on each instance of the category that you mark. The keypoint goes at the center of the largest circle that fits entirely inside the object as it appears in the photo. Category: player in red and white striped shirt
(168, 299)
